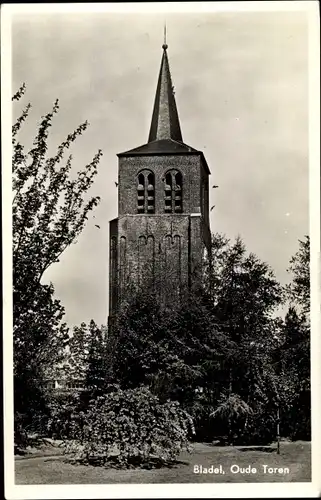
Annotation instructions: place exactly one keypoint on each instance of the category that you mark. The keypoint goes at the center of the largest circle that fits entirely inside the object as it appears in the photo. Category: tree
(75, 363)
(292, 362)
(87, 356)
(83, 373)
(244, 289)
(83, 361)
(295, 350)
(168, 348)
(211, 348)
(244, 295)
(39, 335)
(96, 373)
(294, 354)
(49, 211)
(299, 289)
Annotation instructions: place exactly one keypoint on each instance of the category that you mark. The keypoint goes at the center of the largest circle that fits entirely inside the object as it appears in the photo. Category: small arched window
(173, 192)
(146, 192)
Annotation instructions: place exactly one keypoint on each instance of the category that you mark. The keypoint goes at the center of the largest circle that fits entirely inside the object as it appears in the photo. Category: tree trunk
(230, 437)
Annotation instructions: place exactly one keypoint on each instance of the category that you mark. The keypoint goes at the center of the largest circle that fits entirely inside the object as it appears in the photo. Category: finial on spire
(164, 46)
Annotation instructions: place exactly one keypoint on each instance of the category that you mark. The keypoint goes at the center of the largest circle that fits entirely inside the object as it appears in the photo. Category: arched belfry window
(146, 192)
(173, 192)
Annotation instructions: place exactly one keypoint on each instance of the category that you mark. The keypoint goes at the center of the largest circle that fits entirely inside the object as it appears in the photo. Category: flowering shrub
(130, 427)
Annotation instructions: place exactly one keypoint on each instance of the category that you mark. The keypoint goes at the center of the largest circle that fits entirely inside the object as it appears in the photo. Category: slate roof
(161, 146)
(165, 136)
(165, 121)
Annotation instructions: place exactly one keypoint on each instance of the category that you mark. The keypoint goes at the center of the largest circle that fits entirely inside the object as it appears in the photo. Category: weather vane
(165, 44)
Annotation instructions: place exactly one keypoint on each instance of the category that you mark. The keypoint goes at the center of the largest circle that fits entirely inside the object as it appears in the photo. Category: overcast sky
(241, 83)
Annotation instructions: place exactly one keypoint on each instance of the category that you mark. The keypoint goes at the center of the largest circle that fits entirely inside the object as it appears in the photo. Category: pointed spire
(165, 121)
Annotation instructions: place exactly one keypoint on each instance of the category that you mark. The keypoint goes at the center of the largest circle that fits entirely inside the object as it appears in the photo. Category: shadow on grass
(266, 449)
(19, 451)
(134, 463)
(222, 443)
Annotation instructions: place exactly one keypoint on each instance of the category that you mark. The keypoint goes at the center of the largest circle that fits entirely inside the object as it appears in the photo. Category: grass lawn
(294, 456)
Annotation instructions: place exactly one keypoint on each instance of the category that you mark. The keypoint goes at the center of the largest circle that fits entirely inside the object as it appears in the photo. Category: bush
(130, 427)
(20, 434)
(28, 433)
(63, 406)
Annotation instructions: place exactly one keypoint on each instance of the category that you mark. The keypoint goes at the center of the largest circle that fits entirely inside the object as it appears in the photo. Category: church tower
(162, 229)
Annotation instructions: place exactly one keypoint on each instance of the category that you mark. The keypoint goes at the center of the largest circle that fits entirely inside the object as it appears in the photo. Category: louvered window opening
(146, 193)
(173, 192)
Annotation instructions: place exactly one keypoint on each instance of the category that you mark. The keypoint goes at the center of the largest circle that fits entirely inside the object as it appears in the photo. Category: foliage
(293, 366)
(95, 376)
(49, 211)
(232, 406)
(219, 349)
(20, 433)
(214, 356)
(233, 412)
(130, 427)
(243, 288)
(63, 407)
(299, 289)
(293, 357)
(244, 295)
(169, 349)
(49, 207)
(212, 340)
(295, 350)
(85, 356)
(34, 327)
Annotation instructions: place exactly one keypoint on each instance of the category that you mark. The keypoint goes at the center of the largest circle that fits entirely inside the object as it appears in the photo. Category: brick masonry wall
(129, 167)
(160, 227)
(113, 264)
(171, 245)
